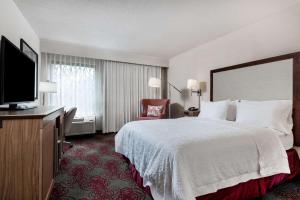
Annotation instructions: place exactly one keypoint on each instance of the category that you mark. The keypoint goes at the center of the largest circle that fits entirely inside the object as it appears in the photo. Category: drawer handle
(1, 124)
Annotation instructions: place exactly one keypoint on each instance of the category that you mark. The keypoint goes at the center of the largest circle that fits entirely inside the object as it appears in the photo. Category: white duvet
(189, 157)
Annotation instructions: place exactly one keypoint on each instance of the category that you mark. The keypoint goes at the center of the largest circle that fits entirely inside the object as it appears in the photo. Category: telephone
(193, 109)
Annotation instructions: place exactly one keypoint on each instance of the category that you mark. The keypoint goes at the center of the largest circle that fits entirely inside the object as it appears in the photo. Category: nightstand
(191, 113)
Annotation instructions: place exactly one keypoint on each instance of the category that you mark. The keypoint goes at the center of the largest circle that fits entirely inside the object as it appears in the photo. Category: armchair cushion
(154, 111)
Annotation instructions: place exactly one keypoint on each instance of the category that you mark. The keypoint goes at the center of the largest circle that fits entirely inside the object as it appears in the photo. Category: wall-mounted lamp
(196, 87)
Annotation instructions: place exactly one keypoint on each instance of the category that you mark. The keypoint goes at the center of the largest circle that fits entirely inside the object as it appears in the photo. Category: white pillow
(270, 114)
(154, 111)
(231, 112)
(214, 110)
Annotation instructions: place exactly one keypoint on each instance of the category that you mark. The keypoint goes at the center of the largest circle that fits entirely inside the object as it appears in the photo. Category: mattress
(287, 141)
(247, 190)
(173, 151)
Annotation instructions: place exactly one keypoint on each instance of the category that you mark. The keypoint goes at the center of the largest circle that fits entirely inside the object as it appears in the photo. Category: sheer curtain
(110, 90)
(78, 83)
(124, 85)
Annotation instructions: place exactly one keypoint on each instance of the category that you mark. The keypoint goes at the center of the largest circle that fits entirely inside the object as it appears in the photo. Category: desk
(30, 150)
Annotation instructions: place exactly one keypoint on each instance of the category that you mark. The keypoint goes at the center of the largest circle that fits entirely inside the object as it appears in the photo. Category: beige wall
(275, 35)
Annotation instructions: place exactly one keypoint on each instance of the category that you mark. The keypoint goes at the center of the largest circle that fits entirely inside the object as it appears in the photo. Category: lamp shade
(203, 86)
(154, 82)
(192, 84)
(48, 87)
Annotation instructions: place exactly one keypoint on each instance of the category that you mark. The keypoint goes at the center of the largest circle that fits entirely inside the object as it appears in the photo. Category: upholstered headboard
(266, 79)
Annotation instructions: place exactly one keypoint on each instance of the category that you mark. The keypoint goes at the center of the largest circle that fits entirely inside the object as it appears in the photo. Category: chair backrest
(69, 116)
(176, 110)
(155, 102)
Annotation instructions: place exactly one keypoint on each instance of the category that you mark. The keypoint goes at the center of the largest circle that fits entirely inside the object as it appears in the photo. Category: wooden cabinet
(29, 152)
(47, 157)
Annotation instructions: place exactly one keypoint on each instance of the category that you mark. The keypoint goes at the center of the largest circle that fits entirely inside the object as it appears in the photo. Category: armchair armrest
(143, 115)
(148, 118)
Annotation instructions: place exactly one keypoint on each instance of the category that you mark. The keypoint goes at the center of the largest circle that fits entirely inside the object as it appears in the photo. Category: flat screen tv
(17, 75)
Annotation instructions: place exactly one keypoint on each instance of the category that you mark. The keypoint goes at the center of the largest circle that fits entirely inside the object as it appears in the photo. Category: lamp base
(14, 107)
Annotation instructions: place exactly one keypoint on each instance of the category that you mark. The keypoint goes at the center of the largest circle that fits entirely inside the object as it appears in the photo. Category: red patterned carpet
(92, 170)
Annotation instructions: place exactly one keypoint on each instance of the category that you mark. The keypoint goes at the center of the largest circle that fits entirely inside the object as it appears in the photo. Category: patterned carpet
(92, 170)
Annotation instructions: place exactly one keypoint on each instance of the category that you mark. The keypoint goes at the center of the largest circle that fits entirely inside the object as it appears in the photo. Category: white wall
(14, 26)
(91, 52)
(275, 35)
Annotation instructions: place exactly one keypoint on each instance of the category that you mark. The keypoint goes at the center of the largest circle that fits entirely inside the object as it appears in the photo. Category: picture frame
(28, 50)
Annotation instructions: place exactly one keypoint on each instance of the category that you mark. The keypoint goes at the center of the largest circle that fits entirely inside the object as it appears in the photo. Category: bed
(202, 158)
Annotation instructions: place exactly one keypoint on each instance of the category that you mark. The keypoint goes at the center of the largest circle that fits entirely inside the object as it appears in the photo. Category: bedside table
(188, 113)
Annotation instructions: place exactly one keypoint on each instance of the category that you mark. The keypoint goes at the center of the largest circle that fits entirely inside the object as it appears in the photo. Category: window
(75, 87)
(109, 90)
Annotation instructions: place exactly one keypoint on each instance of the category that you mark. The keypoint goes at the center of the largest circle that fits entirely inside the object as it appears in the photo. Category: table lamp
(47, 87)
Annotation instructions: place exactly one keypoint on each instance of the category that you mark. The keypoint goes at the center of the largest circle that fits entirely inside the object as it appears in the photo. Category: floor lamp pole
(169, 91)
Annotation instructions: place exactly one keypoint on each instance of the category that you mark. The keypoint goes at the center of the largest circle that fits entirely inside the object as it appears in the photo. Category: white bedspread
(188, 157)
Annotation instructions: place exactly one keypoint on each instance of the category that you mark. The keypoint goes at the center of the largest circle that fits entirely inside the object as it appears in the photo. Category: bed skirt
(247, 190)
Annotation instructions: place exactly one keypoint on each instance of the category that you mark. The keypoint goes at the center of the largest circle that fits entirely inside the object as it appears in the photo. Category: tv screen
(17, 75)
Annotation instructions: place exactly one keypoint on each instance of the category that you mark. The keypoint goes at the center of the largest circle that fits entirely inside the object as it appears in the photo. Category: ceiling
(160, 28)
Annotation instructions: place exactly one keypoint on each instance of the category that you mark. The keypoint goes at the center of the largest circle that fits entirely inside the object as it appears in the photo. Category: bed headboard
(266, 79)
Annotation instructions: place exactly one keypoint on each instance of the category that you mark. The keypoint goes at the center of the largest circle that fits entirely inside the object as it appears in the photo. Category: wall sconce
(196, 87)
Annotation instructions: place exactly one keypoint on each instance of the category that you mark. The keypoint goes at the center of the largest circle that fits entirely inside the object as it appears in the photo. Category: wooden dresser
(30, 150)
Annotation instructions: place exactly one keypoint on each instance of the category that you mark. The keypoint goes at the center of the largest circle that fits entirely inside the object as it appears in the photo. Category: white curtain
(78, 83)
(109, 90)
(124, 86)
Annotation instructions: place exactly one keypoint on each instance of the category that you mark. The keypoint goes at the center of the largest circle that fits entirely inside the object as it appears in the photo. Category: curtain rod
(106, 60)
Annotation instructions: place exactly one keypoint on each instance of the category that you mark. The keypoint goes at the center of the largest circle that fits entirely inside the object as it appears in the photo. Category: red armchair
(154, 102)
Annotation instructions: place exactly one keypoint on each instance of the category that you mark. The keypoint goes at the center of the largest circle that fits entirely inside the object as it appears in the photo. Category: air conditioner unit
(83, 126)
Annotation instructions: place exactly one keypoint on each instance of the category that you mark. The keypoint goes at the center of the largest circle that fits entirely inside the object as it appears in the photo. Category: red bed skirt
(247, 190)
